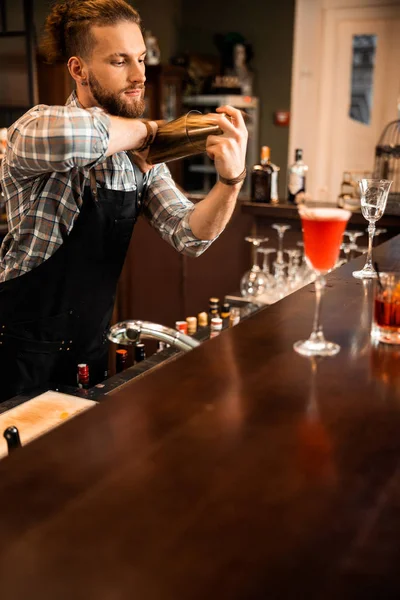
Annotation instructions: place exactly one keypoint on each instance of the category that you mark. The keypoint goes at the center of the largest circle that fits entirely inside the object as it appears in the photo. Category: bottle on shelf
(181, 326)
(191, 325)
(297, 177)
(121, 360)
(215, 326)
(225, 313)
(83, 376)
(264, 179)
(11, 435)
(140, 352)
(202, 319)
(213, 307)
(234, 317)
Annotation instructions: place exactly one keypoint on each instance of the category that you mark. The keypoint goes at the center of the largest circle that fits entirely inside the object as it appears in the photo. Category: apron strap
(93, 184)
(139, 176)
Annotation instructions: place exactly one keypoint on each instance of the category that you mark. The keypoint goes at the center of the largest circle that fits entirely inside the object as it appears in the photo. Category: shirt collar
(73, 100)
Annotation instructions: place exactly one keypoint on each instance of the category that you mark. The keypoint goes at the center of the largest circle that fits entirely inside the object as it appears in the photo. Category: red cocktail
(323, 230)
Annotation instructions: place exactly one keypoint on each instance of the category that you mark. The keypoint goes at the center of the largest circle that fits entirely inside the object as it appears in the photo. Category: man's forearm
(125, 134)
(211, 215)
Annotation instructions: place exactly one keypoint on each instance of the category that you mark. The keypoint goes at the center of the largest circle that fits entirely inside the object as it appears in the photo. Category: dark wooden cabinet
(54, 83)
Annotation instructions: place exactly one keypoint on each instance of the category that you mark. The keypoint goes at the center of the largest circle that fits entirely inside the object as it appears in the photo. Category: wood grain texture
(37, 416)
(240, 471)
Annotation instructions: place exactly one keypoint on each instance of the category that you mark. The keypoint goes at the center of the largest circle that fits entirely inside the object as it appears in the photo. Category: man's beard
(113, 103)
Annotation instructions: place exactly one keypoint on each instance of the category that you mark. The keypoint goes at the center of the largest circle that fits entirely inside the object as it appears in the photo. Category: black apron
(58, 314)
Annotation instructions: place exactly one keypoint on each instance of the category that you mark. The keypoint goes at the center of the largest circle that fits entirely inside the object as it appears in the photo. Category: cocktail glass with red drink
(323, 230)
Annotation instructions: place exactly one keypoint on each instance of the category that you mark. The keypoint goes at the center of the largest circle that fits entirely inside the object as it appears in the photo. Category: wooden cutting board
(36, 416)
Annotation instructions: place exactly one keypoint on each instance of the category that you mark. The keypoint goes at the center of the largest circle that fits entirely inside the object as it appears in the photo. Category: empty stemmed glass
(374, 195)
(353, 235)
(293, 276)
(265, 252)
(322, 233)
(280, 229)
(254, 282)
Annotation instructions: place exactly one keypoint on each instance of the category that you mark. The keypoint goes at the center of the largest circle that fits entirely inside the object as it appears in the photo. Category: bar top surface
(240, 471)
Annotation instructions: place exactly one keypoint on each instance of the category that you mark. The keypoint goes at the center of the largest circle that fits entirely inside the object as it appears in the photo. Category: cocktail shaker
(182, 137)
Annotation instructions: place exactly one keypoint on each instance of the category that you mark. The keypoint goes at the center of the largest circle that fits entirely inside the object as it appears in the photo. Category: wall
(161, 16)
(268, 26)
(311, 127)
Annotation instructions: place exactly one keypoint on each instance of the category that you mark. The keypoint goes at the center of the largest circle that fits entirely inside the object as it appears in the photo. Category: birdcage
(387, 163)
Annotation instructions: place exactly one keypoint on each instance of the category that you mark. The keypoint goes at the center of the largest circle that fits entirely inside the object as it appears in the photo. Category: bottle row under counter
(113, 383)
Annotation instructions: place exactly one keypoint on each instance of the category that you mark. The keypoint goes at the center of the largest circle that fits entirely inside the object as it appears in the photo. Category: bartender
(74, 192)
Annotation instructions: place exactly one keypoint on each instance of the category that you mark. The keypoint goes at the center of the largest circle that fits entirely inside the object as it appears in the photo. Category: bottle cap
(122, 353)
(216, 323)
(83, 369)
(226, 308)
(181, 326)
(214, 301)
(202, 319)
(265, 153)
(191, 324)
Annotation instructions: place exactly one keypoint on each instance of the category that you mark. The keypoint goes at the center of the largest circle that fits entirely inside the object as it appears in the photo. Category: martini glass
(322, 233)
(374, 195)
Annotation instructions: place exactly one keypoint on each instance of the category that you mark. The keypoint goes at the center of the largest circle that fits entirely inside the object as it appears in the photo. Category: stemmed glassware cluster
(312, 258)
(279, 275)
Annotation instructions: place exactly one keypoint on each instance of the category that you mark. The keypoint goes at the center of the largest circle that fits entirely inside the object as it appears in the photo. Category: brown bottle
(261, 178)
(121, 358)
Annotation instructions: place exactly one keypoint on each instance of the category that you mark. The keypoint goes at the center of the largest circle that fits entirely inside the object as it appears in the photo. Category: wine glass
(374, 195)
(265, 266)
(254, 282)
(280, 229)
(322, 234)
(353, 235)
(293, 276)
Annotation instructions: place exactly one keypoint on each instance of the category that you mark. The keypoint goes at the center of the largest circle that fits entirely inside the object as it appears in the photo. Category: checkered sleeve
(56, 139)
(168, 211)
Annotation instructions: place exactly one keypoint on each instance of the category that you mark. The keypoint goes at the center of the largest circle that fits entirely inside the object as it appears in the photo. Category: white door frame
(315, 42)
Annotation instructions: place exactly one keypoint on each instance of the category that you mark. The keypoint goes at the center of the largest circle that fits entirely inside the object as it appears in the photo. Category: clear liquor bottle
(297, 177)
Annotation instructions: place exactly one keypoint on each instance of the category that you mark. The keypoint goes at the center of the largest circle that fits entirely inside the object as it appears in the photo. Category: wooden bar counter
(240, 471)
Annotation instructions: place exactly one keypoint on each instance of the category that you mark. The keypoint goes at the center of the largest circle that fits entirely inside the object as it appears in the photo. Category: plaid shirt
(50, 151)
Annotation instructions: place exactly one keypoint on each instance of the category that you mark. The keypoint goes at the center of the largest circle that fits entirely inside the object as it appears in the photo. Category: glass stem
(254, 256)
(371, 231)
(317, 334)
(280, 250)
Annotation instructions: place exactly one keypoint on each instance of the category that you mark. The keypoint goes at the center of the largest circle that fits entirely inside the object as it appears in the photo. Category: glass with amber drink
(386, 319)
(323, 230)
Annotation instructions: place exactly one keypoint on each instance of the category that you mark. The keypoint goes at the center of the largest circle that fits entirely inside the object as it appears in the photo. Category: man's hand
(228, 151)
